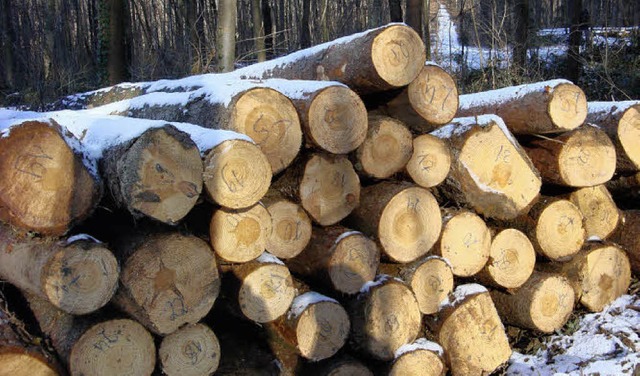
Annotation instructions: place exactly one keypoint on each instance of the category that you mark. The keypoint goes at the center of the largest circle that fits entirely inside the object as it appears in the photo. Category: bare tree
(521, 33)
(395, 10)
(258, 30)
(227, 34)
(305, 32)
(414, 14)
(574, 64)
(116, 60)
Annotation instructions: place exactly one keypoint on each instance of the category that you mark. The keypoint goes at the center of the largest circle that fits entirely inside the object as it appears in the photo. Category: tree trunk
(116, 62)
(305, 32)
(227, 14)
(421, 357)
(290, 223)
(574, 63)
(395, 10)
(430, 162)
(414, 15)
(268, 29)
(521, 31)
(601, 215)
(627, 237)
(192, 350)
(7, 40)
(258, 30)
(511, 260)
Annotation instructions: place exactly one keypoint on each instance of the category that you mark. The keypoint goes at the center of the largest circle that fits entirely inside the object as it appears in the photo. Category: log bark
(420, 357)
(583, 157)
(291, 226)
(601, 215)
(544, 303)
(491, 172)
(430, 161)
(625, 190)
(543, 107)
(511, 260)
(77, 277)
(44, 185)
(621, 122)
(158, 174)
(627, 236)
(325, 185)
(386, 149)
(192, 350)
(384, 316)
(338, 258)
(376, 60)
(169, 280)
(240, 235)
(403, 217)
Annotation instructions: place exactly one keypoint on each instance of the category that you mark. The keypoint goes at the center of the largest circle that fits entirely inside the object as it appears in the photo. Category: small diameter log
(627, 236)
(44, 185)
(543, 107)
(240, 235)
(338, 258)
(326, 185)
(599, 274)
(583, 157)
(430, 279)
(470, 331)
(511, 260)
(169, 280)
(384, 316)
(386, 149)
(430, 101)
(158, 174)
(291, 226)
(544, 303)
(236, 174)
(465, 242)
(601, 215)
(421, 357)
(405, 218)
(193, 350)
(490, 170)
(76, 275)
(621, 122)
(375, 60)
(430, 161)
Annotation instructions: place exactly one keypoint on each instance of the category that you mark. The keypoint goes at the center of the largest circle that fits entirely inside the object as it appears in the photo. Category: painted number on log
(291, 231)
(570, 101)
(503, 155)
(391, 324)
(412, 203)
(427, 162)
(233, 179)
(192, 351)
(177, 307)
(398, 53)
(434, 283)
(430, 92)
(32, 163)
(106, 341)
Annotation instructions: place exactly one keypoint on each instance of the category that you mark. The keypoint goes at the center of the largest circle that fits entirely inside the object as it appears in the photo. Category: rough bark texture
(430, 161)
(192, 350)
(627, 237)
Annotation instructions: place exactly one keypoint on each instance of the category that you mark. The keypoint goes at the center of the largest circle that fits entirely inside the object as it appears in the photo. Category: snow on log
(421, 357)
(430, 161)
(543, 107)
(627, 236)
(621, 122)
(291, 226)
(599, 210)
(490, 171)
(511, 260)
(192, 350)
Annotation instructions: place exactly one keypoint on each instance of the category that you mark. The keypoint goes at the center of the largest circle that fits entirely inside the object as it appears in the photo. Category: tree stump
(192, 350)
(430, 162)
(290, 223)
(421, 357)
(601, 215)
(511, 260)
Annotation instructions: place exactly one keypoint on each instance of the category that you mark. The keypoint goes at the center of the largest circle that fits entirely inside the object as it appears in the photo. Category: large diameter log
(621, 122)
(544, 303)
(542, 107)
(158, 174)
(386, 149)
(404, 218)
(291, 226)
(627, 236)
(601, 215)
(77, 277)
(471, 333)
(430, 161)
(384, 316)
(44, 185)
(511, 260)
(193, 350)
(491, 172)
(583, 157)
(372, 61)
(338, 258)
(169, 280)
(240, 235)
(421, 357)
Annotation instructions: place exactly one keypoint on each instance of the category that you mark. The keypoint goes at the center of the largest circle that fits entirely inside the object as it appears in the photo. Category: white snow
(377, 281)
(461, 293)
(446, 261)
(498, 96)
(478, 181)
(78, 237)
(594, 238)
(610, 107)
(301, 302)
(268, 258)
(419, 344)
(345, 234)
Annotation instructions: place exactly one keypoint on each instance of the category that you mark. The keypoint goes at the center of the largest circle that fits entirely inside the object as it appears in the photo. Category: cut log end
(236, 174)
(81, 279)
(601, 215)
(567, 107)
(434, 95)
(387, 148)
(322, 330)
(17, 362)
(511, 259)
(266, 292)
(191, 351)
(587, 158)
(465, 243)
(354, 262)
(430, 162)
(291, 229)
(272, 122)
(398, 55)
(44, 187)
(240, 235)
(337, 120)
(559, 231)
(116, 347)
(431, 282)
(418, 362)
(629, 134)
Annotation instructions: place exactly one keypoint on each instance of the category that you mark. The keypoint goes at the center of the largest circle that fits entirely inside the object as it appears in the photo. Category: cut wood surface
(342, 365)
(384, 316)
(240, 235)
(599, 210)
(78, 277)
(542, 107)
(627, 237)
(338, 258)
(169, 280)
(583, 157)
(403, 217)
(544, 303)
(490, 171)
(430, 161)
(372, 61)
(465, 242)
(291, 226)
(386, 149)
(192, 350)
(511, 260)
(471, 332)
(44, 185)
(158, 174)
(621, 122)
(236, 174)
(421, 357)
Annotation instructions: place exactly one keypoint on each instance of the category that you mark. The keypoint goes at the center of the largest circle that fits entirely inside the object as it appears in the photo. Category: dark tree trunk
(521, 33)
(6, 43)
(227, 16)
(305, 32)
(116, 60)
(258, 30)
(268, 28)
(414, 15)
(574, 65)
(375, 18)
(395, 10)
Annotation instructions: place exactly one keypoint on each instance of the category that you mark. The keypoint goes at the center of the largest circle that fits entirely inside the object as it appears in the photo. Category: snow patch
(268, 258)
(377, 281)
(446, 261)
(301, 302)
(499, 96)
(594, 238)
(79, 237)
(419, 344)
(345, 234)
(613, 108)
(461, 293)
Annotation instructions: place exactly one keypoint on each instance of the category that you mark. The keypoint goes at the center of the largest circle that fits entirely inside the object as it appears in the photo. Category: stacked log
(260, 219)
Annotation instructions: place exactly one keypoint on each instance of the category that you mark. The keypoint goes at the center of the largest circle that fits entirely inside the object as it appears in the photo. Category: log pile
(325, 225)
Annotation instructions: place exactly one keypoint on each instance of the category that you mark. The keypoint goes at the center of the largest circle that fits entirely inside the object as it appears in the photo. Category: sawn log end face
(322, 330)
(587, 158)
(418, 362)
(629, 134)
(240, 235)
(567, 107)
(354, 262)
(434, 95)
(398, 55)
(266, 292)
(193, 350)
